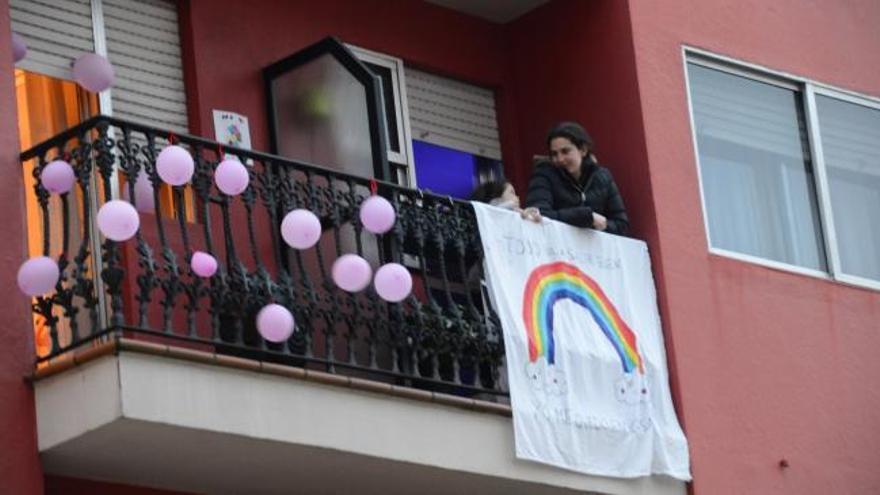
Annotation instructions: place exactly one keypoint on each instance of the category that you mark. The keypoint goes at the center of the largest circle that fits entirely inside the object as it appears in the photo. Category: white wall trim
(703, 55)
(776, 265)
(401, 107)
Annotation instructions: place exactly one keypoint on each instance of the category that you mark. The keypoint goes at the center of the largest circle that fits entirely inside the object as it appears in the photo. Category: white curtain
(756, 173)
(850, 135)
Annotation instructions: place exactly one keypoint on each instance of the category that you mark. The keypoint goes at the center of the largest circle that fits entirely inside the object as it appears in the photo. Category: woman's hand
(599, 221)
(531, 213)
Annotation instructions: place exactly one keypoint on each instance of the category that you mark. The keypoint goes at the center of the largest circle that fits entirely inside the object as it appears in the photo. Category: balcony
(150, 375)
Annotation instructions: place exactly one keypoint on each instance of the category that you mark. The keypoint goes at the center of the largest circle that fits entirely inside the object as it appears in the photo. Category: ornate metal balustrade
(442, 336)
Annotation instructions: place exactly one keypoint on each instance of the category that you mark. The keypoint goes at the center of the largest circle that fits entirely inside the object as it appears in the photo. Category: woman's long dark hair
(573, 132)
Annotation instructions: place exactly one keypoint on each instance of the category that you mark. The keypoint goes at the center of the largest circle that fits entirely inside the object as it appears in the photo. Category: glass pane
(850, 135)
(755, 167)
(48, 106)
(445, 171)
(321, 113)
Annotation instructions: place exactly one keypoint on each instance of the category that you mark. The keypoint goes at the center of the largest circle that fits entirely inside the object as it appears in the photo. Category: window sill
(843, 279)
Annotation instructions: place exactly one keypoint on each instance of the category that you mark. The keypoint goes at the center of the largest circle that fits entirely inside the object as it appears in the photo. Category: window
(788, 172)
(756, 169)
(46, 107)
(143, 43)
(455, 131)
(442, 133)
(450, 172)
(325, 108)
(140, 39)
(389, 71)
(850, 133)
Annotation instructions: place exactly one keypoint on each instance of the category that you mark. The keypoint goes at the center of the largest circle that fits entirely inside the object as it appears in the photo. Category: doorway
(48, 106)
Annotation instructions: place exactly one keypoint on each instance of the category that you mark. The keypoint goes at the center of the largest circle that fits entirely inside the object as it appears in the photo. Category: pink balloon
(275, 323)
(19, 48)
(377, 215)
(38, 276)
(175, 165)
(143, 194)
(231, 177)
(118, 220)
(301, 229)
(93, 72)
(351, 273)
(203, 264)
(57, 177)
(393, 282)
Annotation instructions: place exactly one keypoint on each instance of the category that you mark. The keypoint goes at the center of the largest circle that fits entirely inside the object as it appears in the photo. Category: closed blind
(143, 44)
(453, 114)
(748, 112)
(850, 134)
(56, 33)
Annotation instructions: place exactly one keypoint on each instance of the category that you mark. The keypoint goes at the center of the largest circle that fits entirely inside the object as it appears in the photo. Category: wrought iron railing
(442, 336)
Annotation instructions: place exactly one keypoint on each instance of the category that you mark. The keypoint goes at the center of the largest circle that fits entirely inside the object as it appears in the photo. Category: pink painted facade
(19, 465)
(768, 367)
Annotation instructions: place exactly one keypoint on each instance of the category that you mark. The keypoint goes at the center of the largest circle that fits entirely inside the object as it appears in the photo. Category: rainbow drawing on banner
(558, 281)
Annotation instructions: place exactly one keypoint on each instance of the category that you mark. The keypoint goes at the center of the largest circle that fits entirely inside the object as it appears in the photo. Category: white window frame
(808, 89)
(822, 177)
(398, 86)
(105, 101)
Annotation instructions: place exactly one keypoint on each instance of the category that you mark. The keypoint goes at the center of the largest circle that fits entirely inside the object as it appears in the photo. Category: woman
(572, 187)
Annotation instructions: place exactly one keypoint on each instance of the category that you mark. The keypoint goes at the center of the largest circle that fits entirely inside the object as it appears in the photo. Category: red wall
(231, 42)
(20, 470)
(573, 60)
(544, 68)
(770, 365)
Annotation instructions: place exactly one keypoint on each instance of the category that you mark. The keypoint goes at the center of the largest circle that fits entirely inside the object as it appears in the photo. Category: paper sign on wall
(232, 129)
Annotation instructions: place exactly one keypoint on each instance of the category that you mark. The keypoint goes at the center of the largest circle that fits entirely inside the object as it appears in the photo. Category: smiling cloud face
(554, 381)
(546, 378)
(535, 373)
(631, 389)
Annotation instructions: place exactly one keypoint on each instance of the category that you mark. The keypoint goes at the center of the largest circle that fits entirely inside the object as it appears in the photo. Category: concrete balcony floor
(150, 415)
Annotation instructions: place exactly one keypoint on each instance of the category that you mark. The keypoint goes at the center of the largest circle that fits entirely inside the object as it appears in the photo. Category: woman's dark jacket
(559, 196)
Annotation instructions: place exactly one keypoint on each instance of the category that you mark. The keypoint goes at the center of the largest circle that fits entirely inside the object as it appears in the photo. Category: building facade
(739, 134)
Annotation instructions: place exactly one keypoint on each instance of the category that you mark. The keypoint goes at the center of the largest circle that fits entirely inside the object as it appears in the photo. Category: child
(501, 193)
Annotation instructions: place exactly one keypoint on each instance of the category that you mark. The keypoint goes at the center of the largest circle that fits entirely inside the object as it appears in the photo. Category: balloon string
(374, 187)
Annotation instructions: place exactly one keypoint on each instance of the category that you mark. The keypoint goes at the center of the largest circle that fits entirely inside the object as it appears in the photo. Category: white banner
(585, 358)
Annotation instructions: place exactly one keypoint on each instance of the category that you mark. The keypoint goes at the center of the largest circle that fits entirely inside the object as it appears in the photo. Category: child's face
(509, 195)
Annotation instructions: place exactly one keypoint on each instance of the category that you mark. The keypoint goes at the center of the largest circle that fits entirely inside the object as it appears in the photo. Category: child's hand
(599, 222)
(531, 213)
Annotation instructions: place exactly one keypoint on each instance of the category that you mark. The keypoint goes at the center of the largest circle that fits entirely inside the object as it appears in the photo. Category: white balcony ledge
(192, 421)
